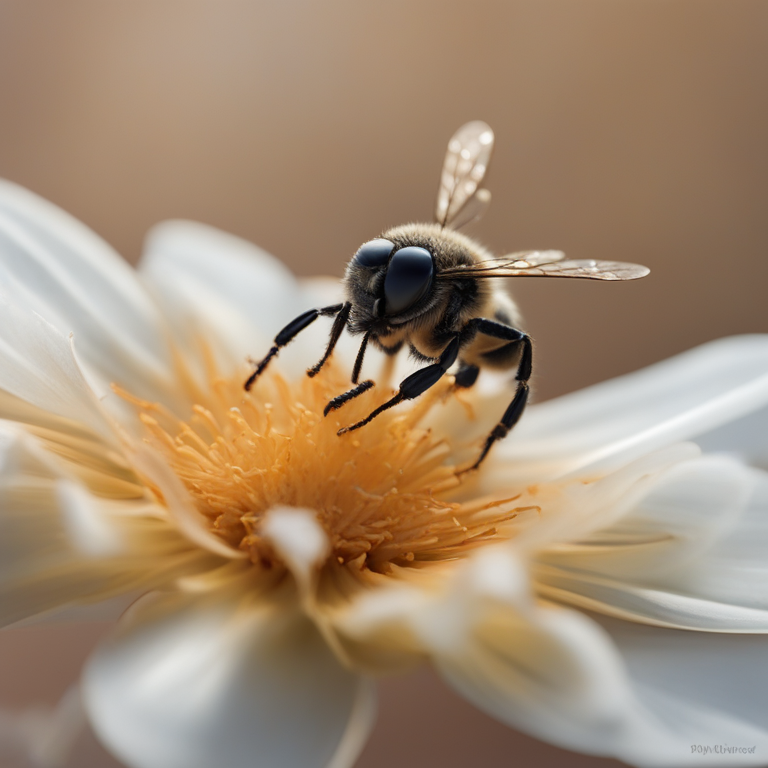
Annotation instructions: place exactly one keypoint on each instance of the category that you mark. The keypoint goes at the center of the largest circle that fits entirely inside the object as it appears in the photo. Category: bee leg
(359, 359)
(338, 326)
(364, 386)
(524, 367)
(291, 330)
(508, 420)
(351, 394)
(416, 384)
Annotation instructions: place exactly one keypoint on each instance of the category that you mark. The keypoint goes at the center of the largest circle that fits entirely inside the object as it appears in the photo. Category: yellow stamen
(382, 493)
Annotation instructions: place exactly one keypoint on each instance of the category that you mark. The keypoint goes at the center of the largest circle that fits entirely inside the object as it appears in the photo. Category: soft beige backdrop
(631, 130)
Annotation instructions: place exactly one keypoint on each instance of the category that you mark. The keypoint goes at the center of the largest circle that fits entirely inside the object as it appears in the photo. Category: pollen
(385, 495)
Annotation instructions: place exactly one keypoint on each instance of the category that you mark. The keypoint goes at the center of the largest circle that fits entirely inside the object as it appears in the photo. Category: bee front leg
(295, 327)
(345, 397)
(363, 386)
(338, 326)
(416, 384)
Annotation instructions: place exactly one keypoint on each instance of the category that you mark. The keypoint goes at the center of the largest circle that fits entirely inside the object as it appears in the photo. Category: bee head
(386, 282)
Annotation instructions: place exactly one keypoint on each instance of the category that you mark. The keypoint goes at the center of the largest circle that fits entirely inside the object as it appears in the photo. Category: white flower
(285, 566)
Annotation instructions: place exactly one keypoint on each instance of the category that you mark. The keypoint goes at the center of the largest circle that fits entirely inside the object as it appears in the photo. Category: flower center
(385, 494)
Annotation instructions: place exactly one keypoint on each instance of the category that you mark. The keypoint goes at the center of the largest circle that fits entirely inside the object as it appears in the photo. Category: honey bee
(429, 287)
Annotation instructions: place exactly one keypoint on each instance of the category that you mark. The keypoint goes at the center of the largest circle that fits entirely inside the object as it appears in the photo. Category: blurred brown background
(634, 130)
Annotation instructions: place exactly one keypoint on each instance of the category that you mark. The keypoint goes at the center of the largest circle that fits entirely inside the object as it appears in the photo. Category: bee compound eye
(409, 277)
(374, 253)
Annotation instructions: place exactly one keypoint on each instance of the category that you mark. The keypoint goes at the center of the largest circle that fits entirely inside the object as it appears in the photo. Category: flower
(282, 567)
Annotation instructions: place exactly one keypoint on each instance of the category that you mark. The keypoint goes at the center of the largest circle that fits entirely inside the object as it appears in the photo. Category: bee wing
(473, 209)
(522, 267)
(520, 260)
(525, 259)
(464, 167)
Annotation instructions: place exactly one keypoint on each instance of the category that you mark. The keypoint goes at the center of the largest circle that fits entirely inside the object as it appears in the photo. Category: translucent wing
(531, 265)
(466, 162)
(473, 209)
(525, 259)
(520, 260)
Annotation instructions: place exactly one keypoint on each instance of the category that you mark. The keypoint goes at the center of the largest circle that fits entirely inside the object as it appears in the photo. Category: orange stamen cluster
(382, 493)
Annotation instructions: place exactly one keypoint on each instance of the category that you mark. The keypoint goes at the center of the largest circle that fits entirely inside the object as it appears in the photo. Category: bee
(430, 287)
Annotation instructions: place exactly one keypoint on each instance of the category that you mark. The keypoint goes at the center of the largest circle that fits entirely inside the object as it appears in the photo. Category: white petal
(713, 687)
(613, 422)
(193, 683)
(37, 367)
(85, 525)
(220, 287)
(692, 553)
(54, 265)
(229, 268)
(555, 674)
(663, 607)
(61, 546)
(735, 567)
(390, 626)
(572, 510)
(299, 540)
(401, 617)
(39, 564)
(745, 439)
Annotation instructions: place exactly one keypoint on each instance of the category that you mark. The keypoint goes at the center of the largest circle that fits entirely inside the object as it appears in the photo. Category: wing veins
(476, 140)
(582, 269)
